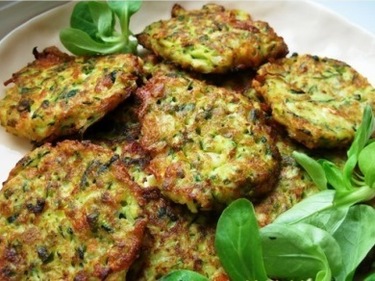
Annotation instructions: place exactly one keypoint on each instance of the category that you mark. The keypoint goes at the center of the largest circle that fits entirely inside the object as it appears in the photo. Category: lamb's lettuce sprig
(93, 30)
(336, 208)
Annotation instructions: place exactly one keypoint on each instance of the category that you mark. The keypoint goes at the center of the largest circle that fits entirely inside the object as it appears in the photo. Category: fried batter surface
(320, 101)
(69, 212)
(58, 95)
(209, 145)
(213, 39)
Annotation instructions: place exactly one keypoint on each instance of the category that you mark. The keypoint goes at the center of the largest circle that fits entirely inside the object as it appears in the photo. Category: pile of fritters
(138, 155)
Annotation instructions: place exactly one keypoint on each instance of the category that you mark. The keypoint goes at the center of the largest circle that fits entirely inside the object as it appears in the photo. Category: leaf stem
(362, 194)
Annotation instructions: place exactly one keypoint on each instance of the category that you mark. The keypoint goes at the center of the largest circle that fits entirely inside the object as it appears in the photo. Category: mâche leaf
(364, 132)
(79, 43)
(124, 10)
(361, 139)
(307, 208)
(333, 174)
(366, 163)
(238, 243)
(299, 252)
(313, 168)
(81, 18)
(371, 277)
(103, 18)
(92, 28)
(356, 237)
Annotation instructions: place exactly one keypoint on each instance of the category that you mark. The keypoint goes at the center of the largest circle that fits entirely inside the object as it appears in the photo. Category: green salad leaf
(93, 31)
(366, 164)
(313, 168)
(307, 208)
(300, 252)
(238, 242)
(356, 237)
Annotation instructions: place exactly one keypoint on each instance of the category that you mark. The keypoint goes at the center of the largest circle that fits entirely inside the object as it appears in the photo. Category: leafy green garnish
(300, 252)
(366, 164)
(356, 236)
(238, 242)
(92, 28)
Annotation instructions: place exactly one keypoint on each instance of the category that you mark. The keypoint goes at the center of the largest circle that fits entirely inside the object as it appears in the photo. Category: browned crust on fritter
(208, 145)
(318, 100)
(64, 215)
(58, 95)
(213, 39)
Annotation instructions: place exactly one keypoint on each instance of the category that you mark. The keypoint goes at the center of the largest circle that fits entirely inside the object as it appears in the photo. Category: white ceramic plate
(305, 26)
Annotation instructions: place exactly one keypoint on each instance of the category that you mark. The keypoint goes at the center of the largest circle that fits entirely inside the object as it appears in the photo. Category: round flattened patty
(58, 95)
(208, 145)
(69, 212)
(213, 39)
(320, 101)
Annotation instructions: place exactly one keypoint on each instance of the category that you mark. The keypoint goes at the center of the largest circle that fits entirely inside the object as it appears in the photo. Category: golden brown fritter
(177, 239)
(69, 212)
(58, 95)
(320, 101)
(209, 145)
(213, 39)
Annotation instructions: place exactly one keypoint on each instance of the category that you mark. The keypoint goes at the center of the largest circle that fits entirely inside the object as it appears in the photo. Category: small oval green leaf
(366, 163)
(313, 168)
(291, 253)
(333, 174)
(81, 19)
(238, 242)
(308, 207)
(80, 43)
(124, 10)
(363, 133)
(103, 17)
(356, 238)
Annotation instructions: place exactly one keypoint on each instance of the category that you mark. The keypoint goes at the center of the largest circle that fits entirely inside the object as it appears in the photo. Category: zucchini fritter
(69, 212)
(58, 95)
(320, 101)
(213, 39)
(177, 239)
(209, 145)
